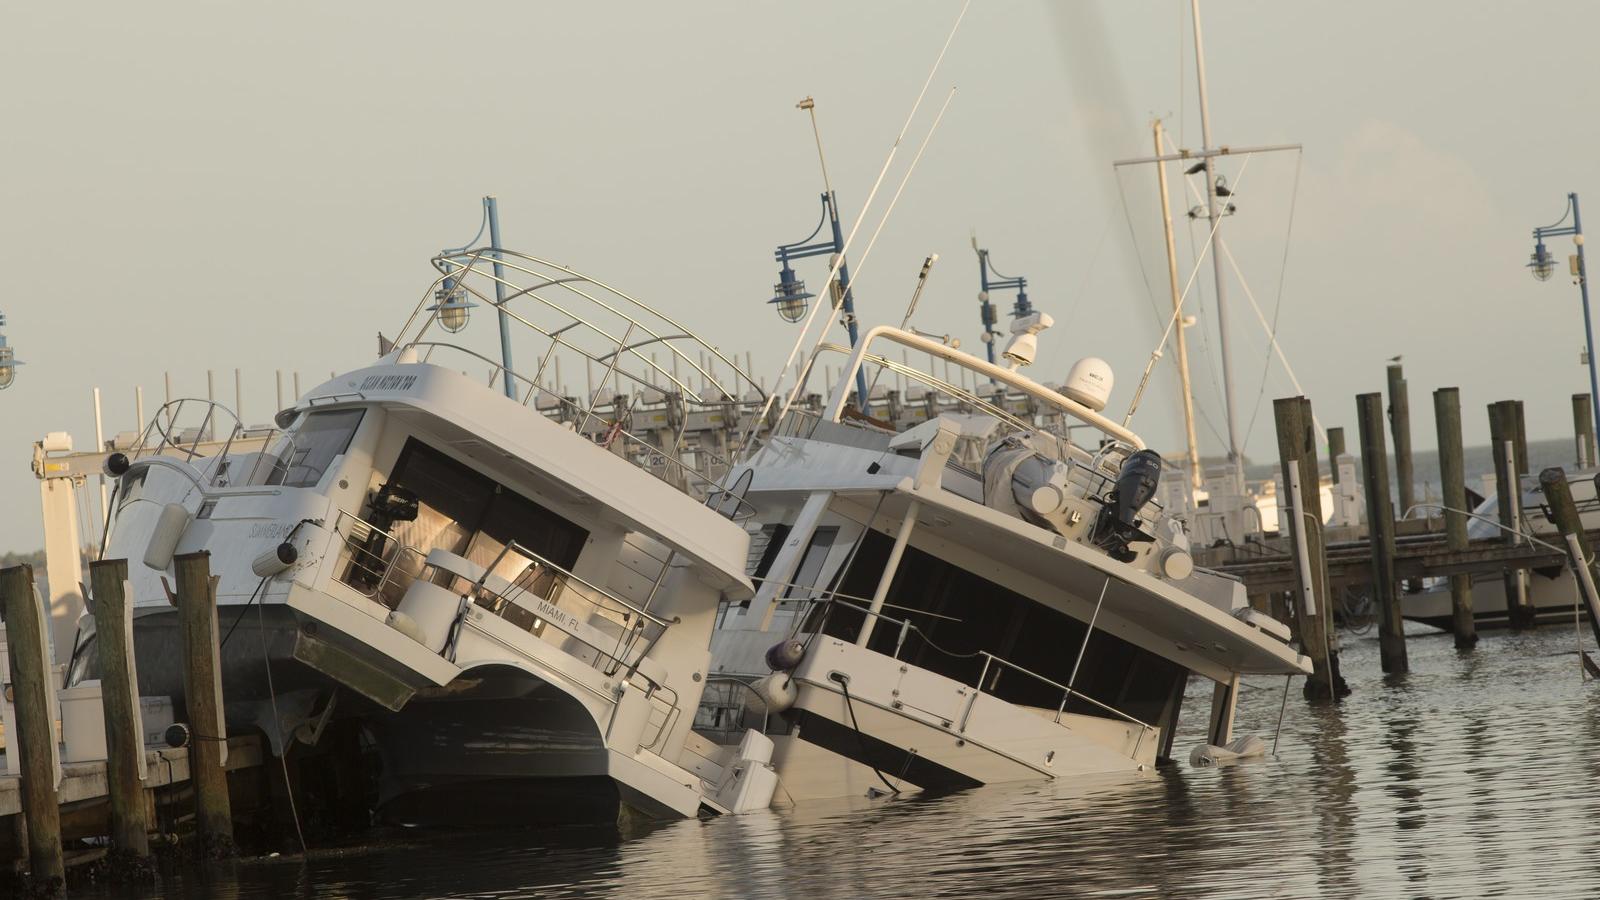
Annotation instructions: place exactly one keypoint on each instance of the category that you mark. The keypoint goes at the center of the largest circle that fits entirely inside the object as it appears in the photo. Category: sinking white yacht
(511, 590)
(963, 587)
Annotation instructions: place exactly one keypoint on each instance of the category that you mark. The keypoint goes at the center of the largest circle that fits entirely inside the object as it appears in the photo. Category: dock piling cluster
(126, 791)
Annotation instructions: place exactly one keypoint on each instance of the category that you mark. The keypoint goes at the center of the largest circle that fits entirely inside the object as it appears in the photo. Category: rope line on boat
(243, 612)
(843, 681)
(277, 723)
(257, 592)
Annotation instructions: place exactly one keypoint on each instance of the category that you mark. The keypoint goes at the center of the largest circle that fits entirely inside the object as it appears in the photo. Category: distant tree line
(35, 559)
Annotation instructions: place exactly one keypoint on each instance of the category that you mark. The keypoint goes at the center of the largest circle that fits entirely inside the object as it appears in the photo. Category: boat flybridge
(511, 590)
(988, 594)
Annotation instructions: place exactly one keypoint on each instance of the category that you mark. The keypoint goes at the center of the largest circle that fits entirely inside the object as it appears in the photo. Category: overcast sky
(211, 186)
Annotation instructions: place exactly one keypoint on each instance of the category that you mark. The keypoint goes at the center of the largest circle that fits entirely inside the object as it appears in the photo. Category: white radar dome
(1089, 382)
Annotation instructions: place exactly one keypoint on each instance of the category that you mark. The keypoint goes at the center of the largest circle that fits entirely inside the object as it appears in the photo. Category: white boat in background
(510, 591)
(1552, 591)
(957, 588)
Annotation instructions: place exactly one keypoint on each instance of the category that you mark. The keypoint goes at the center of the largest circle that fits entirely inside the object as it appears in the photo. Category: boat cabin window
(302, 456)
(458, 509)
(958, 613)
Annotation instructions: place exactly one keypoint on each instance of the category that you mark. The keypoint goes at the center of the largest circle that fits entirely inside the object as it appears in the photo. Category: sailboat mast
(1235, 458)
(1177, 310)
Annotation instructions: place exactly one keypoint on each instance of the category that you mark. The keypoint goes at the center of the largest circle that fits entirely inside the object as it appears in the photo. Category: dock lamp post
(8, 360)
(450, 302)
(789, 294)
(997, 282)
(1543, 265)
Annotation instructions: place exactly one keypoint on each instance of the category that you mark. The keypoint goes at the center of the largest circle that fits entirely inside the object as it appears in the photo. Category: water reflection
(1477, 775)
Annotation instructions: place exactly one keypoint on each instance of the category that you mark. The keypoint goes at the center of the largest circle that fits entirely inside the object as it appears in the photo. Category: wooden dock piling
(130, 824)
(1519, 440)
(1400, 425)
(202, 688)
(1380, 530)
(1453, 481)
(1558, 495)
(1508, 492)
(1297, 448)
(1335, 450)
(1583, 431)
(34, 742)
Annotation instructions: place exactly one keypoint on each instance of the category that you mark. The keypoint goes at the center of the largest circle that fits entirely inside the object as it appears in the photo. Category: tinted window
(321, 437)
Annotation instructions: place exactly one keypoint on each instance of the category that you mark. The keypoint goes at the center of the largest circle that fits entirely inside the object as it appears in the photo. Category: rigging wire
(1274, 346)
(1277, 303)
(1133, 239)
(1202, 317)
(1155, 354)
(1203, 320)
(833, 270)
(1083, 286)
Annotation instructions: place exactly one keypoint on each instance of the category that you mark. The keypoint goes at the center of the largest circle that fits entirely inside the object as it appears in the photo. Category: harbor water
(1476, 775)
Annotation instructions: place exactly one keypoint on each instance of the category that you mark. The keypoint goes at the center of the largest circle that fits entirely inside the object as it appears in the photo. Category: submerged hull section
(496, 746)
(902, 729)
(501, 749)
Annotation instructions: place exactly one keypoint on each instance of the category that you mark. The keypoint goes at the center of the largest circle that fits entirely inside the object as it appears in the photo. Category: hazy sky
(194, 186)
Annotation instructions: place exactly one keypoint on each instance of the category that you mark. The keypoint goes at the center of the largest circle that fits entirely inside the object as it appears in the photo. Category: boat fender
(777, 691)
(785, 656)
(407, 626)
(275, 560)
(117, 464)
(169, 528)
(1247, 747)
(1176, 564)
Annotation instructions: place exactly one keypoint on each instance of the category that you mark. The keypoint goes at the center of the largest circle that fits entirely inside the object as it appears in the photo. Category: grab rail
(630, 628)
(359, 557)
(906, 627)
(1004, 376)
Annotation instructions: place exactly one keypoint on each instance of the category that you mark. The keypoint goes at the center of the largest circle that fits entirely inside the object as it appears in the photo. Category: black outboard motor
(1117, 526)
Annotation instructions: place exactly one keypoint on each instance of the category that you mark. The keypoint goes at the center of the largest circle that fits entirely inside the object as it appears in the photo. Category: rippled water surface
(1477, 775)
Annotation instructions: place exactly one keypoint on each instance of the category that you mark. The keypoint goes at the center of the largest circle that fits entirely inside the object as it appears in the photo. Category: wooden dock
(1269, 567)
(84, 796)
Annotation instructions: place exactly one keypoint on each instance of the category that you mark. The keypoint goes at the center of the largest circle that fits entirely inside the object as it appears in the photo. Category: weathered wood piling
(202, 689)
(1335, 450)
(1583, 431)
(1400, 427)
(1297, 452)
(1558, 495)
(1380, 530)
(130, 824)
(34, 742)
(1453, 481)
(1508, 492)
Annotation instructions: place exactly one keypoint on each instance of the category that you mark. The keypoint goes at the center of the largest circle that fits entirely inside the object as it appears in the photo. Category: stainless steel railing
(372, 562)
(552, 583)
(995, 663)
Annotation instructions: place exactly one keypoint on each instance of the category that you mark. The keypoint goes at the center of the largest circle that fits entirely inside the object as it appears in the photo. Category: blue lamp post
(789, 294)
(8, 360)
(998, 282)
(1543, 265)
(451, 306)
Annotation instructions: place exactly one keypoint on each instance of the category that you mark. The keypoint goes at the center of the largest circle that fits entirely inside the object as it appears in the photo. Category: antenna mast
(1177, 310)
(1235, 457)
